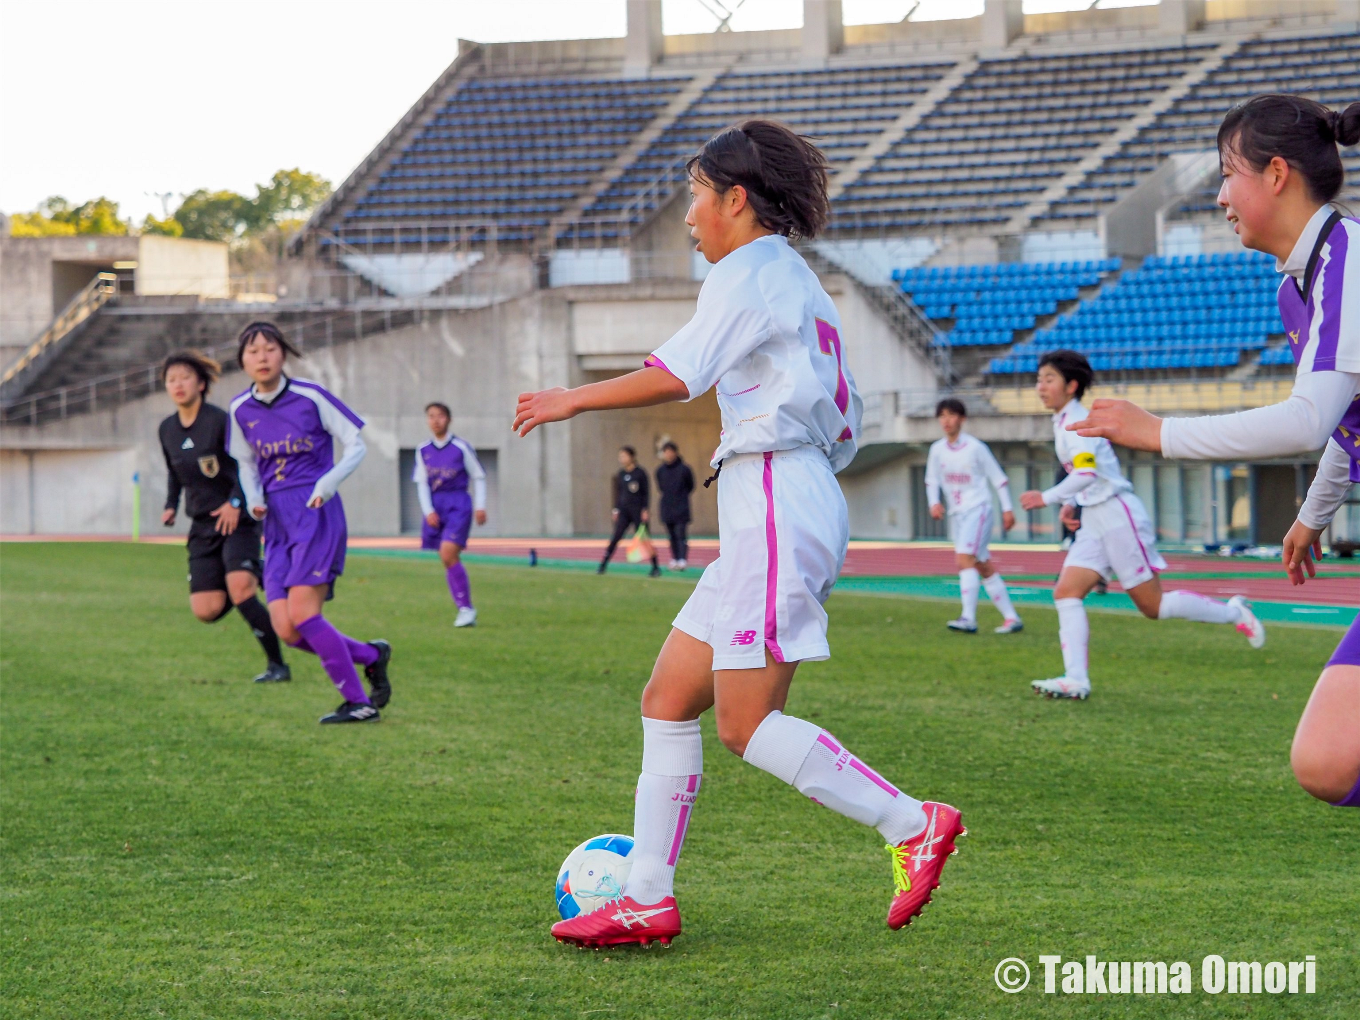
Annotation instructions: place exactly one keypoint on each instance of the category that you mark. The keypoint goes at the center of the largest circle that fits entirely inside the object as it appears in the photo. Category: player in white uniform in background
(767, 336)
(962, 466)
(1114, 535)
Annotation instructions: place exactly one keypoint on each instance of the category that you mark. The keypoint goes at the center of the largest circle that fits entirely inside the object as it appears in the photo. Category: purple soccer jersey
(1315, 325)
(291, 436)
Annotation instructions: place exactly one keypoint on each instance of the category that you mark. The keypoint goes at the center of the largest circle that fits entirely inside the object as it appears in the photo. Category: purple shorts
(302, 545)
(455, 521)
(1348, 652)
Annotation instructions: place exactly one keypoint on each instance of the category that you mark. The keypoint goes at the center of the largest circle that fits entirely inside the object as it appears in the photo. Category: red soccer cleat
(620, 922)
(917, 862)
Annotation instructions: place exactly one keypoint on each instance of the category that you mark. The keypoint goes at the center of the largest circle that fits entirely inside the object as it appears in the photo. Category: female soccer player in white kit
(1114, 535)
(767, 336)
(1281, 172)
(963, 466)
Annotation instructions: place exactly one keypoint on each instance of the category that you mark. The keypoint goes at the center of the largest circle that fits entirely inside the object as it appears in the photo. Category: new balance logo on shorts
(744, 637)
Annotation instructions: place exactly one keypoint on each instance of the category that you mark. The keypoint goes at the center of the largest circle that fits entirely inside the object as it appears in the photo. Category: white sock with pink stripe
(672, 769)
(969, 583)
(1189, 605)
(1074, 631)
(816, 764)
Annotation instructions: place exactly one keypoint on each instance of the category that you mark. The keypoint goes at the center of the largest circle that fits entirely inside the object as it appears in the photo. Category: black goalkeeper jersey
(199, 464)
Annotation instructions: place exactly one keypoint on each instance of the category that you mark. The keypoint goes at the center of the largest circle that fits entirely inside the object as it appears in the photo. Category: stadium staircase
(57, 337)
(113, 355)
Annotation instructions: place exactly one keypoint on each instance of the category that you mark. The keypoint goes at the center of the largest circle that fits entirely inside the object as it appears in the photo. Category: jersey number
(278, 468)
(829, 342)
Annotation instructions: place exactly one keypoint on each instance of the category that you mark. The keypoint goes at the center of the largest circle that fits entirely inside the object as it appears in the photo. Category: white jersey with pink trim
(768, 337)
(963, 470)
(1092, 459)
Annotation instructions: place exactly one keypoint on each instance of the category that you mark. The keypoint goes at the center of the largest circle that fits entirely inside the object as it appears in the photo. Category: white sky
(148, 96)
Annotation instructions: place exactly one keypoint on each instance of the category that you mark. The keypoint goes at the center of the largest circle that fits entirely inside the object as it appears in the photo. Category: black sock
(258, 617)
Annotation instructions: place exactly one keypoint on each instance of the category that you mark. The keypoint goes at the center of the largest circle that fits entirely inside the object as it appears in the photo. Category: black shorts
(213, 556)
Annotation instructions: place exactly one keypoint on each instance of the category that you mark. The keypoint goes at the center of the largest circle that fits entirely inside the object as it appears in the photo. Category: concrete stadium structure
(522, 227)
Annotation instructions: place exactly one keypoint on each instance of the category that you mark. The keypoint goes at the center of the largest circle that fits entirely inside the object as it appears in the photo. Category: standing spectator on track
(676, 482)
(632, 497)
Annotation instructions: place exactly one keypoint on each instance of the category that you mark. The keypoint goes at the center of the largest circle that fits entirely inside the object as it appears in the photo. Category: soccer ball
(593, 873)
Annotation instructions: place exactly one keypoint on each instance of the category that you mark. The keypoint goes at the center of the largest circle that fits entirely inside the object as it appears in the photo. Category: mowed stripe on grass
(180, 842)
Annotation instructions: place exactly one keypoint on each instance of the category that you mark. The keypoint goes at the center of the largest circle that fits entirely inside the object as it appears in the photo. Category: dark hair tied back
(783, 173)
(1302, 132)
(270, 332)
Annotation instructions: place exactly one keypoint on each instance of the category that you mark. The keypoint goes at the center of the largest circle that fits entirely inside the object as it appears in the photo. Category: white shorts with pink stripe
(784, 530)
(1116, 538)
(973, 532)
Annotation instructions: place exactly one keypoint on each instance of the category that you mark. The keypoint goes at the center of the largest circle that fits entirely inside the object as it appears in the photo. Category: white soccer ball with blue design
(593, 874)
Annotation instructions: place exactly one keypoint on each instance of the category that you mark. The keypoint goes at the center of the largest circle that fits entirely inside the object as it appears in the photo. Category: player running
(1114, 535)
(767, 336)
(224, 544)
(283, 429)
(443, 467)
(1281, 172)
(964, 466)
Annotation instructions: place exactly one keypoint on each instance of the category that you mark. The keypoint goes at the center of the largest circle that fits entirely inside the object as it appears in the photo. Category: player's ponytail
(1304, 133)
(782, 172)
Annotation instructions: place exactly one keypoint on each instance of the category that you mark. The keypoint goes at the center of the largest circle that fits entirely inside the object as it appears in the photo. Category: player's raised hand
(1302, 547)
(1032, 500)
(1122, 422)
(535, 409)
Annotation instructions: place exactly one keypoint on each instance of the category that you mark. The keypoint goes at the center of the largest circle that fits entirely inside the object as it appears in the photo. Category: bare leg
(1326, 751)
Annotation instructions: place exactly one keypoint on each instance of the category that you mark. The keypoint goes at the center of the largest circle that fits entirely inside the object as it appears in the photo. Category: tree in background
(278, 207)
(56, 217)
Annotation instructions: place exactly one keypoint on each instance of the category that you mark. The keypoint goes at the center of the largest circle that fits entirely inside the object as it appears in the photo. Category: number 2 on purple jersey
(829, 342)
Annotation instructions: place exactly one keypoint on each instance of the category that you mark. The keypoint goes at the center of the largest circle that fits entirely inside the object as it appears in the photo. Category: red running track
(1338, 583)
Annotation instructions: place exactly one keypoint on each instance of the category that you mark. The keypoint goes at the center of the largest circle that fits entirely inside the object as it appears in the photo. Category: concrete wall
(63, 492)
(172, 265)
(555, 482)
(38, 275)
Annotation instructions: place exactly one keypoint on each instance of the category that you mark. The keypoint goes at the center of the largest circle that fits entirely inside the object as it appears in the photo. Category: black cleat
(275, 673)
(352, 711)
(602, 568)
(379, 688)
(655, 571)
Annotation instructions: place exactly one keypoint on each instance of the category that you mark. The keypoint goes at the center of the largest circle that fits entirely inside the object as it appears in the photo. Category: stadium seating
(842, 109)
(989, 303)
(1184, 312)
(513, 150)
(1323, 67)
(1006, 133)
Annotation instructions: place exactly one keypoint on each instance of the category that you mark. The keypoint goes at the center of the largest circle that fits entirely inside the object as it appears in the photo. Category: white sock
(1189, 605)
(968, 590)
(812, 761)
(1001, 598)
(672, 769)
(1075, 634)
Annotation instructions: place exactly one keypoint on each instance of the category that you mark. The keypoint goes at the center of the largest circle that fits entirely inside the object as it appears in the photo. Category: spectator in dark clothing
(676, 482)
(632, 497)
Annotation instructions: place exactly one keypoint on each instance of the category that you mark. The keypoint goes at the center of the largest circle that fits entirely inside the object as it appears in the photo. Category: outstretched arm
(1296, 425)
(642, 388)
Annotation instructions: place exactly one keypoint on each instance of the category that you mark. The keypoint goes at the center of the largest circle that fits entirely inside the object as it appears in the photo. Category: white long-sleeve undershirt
(1066, 490)
(351, 454)
(1330, 487)
(1300, 424)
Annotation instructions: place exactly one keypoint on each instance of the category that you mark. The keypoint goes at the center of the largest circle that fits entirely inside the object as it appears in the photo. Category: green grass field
(178, 842)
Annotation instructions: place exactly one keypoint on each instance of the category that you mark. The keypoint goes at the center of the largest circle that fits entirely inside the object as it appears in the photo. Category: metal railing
(313, 331)
(93, 296)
